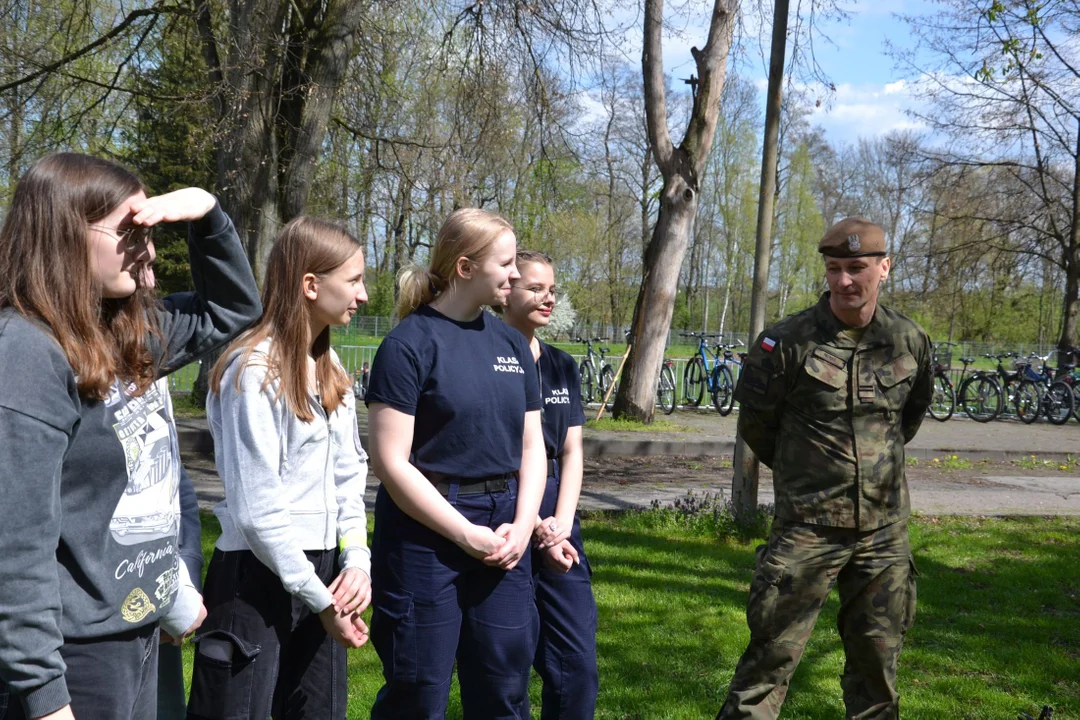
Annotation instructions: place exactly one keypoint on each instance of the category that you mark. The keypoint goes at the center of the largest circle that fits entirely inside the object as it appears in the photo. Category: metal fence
(353, 358)
(378, 327)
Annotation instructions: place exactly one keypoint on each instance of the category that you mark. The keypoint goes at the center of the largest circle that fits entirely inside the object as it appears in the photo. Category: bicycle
(708, 371)
(665, 387)
(943, 402)
(595, 367)
(1055, 395)
(1023, 400)
(980, 395)
(726, 386)
(1070, 374)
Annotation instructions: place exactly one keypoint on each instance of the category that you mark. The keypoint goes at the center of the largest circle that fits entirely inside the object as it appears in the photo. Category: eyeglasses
(132, 236)
(539, 294)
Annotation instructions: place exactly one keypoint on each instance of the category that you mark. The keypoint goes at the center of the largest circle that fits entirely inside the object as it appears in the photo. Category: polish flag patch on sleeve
(768, 344)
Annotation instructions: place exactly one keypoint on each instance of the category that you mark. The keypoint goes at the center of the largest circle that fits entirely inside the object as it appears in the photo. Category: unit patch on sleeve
(755, 379)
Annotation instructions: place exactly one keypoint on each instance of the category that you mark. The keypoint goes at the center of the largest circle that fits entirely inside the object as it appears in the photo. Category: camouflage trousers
(795, 572)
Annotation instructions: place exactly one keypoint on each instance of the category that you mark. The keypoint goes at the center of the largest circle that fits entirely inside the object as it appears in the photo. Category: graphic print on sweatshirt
(145, 511)
(149, 508)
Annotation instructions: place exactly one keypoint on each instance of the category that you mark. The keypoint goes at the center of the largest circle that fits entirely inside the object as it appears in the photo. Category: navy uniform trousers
(566, 653)
(434, 604)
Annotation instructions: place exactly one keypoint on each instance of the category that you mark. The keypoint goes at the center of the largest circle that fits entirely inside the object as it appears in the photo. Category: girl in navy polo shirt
(566, 654)
(456, 441)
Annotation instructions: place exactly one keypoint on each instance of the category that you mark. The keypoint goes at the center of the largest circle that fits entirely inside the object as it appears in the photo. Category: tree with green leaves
(1002, 81)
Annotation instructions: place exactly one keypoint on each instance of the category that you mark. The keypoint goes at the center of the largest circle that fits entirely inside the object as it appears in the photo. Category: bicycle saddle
(967, 361)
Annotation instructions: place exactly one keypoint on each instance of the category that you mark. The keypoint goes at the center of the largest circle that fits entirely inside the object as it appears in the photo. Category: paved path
(632, 469)
(1002, 439)
(705, 433)
(993, 488)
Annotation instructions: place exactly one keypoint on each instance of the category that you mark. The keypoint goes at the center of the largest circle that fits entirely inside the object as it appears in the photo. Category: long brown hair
(45, 271)
(305, 245)
(468, 232)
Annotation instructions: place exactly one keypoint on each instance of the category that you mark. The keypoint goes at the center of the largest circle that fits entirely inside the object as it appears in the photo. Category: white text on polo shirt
(508, 364)
(559, 396)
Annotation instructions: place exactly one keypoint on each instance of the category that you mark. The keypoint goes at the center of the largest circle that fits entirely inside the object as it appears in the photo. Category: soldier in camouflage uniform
(828, 398)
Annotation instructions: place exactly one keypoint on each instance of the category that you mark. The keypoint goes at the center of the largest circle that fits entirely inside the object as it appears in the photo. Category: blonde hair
(468, 233)
(305, 245)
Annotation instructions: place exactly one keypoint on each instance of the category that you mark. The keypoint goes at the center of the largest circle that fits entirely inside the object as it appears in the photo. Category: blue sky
(871, 94)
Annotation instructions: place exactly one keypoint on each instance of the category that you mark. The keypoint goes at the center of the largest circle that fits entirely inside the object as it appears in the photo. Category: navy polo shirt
(467, 384)
(560, 388)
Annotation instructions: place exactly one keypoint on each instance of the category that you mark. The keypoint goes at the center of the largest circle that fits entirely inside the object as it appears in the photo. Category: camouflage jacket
(831, 417)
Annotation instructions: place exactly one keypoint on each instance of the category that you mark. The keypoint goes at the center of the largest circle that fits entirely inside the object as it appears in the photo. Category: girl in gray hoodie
(89, 461)
(290, 573)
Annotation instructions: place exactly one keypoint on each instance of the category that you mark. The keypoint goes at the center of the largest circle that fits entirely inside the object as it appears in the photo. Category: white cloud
(894, 88)
(866, 110)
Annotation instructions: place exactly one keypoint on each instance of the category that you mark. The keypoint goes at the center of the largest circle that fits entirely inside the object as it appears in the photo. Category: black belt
(469, 486)
(551, 467)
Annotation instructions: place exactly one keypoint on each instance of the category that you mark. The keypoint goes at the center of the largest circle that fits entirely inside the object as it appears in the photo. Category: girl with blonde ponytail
(456, 441)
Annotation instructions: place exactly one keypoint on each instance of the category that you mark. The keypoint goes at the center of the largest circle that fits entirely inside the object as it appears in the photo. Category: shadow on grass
(997, 630)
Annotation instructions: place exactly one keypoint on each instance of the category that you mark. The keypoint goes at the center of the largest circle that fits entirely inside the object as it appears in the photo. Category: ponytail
(468, 233)
(417, 286)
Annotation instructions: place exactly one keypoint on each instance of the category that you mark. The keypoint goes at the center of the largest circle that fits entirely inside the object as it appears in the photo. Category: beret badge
(853, 242)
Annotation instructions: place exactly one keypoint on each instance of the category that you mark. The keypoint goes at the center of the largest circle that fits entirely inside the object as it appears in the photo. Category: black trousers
(112, 677)
(280, 662)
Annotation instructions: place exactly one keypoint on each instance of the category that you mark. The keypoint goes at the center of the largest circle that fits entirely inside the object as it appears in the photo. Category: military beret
(853, 237)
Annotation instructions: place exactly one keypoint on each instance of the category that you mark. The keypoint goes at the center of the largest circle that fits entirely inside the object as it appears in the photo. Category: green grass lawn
(997, 631)
(610, 424)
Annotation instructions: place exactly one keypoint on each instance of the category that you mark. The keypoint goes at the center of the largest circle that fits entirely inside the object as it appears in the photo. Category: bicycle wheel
(1059, 403)
(1010, 391)
(723, 390)
(694, 382)
(587, 383)
(980, 398)
(1028, 401)
(1076, 400)
(944, 400)
(665, 390)
(607, 380)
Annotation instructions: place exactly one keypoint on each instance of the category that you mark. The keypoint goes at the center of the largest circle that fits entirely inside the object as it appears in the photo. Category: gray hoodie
(290, 485)
(89, 489)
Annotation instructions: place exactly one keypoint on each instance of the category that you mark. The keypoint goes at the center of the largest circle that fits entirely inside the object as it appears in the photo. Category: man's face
(854, 282)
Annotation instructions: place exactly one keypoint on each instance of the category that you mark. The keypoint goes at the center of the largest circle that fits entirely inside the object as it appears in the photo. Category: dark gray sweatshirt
(89, 502)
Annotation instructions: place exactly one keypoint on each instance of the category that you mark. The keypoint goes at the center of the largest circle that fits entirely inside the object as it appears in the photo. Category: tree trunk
(744, 484)
(1071, 302)
(681, 169)
(275, 87)
(656, 300)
